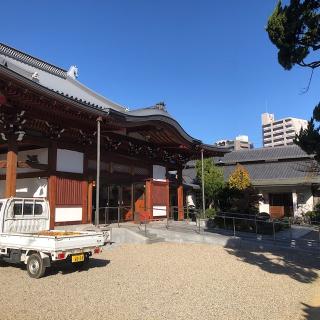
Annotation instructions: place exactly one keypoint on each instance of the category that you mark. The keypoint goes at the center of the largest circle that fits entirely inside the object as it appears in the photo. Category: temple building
(48, 146)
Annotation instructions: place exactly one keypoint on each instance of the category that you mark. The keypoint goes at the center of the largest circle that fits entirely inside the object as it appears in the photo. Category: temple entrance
(120, 202)
(281, 205)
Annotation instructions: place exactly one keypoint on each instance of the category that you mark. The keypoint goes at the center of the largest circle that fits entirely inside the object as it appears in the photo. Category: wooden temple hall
(49, 146)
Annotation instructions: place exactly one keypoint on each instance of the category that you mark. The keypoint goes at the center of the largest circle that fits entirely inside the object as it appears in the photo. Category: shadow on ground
(310, 313)
(64, 267)
(298, 265)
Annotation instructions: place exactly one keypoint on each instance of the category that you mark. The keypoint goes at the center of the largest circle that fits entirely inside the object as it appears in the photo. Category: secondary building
(287, 178)
(49, 126)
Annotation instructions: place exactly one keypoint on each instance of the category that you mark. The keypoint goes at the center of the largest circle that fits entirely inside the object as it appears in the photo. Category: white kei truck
(25, 237)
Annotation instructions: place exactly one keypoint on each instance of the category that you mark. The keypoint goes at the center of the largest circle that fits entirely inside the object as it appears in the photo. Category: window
(17, 209)
(277, 128)
(27, 208)
(38, 209)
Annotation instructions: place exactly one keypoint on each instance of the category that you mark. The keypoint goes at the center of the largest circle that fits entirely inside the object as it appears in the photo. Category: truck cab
(24, 215)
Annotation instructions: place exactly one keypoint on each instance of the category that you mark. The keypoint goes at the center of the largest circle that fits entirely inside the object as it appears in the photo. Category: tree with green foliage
(239, 196)
(213, 180)
(239, 179)
(295, 30)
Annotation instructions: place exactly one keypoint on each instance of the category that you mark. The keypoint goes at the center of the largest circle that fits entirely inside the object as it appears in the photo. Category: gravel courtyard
(168, 281)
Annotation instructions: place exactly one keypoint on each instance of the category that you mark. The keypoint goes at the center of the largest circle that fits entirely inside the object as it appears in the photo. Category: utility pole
(202, 178)
(99, 119)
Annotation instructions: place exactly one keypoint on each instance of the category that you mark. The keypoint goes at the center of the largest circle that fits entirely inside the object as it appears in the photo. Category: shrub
(210, 213)
(248, 222)
(317, 207)
(313, 216)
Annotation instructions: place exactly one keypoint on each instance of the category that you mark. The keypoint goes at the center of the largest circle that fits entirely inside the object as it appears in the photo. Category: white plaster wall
(23, 156)
(41, 153)
(295, 202)
(159, 211)
(28, 188)
(159, 173)
(68, 214)
(191, 200)
(264, 204)
(69, 161)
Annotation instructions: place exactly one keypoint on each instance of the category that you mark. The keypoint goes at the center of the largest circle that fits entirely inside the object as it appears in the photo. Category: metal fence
(291, 231)
(281, 230)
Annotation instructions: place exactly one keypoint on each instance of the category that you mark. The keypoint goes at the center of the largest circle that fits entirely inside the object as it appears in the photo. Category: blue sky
(210, 61)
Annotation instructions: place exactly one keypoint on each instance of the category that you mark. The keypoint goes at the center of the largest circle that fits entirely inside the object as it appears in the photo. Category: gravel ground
(167, 281)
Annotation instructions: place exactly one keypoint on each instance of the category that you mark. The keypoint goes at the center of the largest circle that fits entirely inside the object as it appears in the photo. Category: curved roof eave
(149, 115)
(157, 115)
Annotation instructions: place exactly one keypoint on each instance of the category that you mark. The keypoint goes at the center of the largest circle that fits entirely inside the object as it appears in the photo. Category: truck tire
(35, 266)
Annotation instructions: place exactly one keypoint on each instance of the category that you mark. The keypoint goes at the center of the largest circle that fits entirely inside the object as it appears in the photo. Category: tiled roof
(190, 176)
(263, 154)
(32, 61)
(306, 171)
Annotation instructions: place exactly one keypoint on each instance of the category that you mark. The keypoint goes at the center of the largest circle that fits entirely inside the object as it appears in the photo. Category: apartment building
(278, 133)
(239, 143)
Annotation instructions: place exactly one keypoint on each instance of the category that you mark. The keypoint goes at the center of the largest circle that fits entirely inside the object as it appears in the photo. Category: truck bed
(52, 243)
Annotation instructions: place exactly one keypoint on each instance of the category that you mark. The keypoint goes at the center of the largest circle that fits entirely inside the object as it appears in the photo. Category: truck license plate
(77, 258)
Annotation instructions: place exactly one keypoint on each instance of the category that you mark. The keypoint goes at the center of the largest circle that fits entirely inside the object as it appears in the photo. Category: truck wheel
(35, 266)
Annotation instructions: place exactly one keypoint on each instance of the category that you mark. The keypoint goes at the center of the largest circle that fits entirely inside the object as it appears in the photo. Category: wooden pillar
(149, 202)
(11, 172)
(168, 198)
(90, 190)
(180, 195)
(84, 187)
(52, 181)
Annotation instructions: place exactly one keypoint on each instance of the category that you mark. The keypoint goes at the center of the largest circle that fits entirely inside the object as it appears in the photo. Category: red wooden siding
(159, 193)
(69, 192)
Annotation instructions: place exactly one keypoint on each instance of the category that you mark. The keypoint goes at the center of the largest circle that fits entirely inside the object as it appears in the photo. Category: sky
(210, 61)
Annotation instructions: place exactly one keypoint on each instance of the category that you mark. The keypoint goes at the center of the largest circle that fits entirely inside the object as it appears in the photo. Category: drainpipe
(99, 119)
